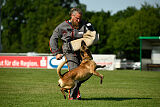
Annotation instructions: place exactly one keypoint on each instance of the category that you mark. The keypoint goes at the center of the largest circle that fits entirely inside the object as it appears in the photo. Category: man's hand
(58, 56)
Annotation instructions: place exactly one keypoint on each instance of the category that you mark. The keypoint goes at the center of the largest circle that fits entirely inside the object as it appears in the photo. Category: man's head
(76, 15)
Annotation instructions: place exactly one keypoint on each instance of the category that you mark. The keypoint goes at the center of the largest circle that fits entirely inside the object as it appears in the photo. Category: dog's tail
(59, 68)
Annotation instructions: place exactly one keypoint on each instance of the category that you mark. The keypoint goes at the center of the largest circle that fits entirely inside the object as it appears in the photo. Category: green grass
(38, 88)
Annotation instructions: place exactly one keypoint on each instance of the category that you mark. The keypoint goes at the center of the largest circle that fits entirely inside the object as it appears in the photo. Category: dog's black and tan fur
(85, 70)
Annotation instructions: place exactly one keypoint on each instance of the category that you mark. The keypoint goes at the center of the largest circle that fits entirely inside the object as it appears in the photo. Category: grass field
(38, 88)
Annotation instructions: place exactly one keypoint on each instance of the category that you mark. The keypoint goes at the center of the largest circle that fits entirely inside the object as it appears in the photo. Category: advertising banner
(23, 61)
(50, 62)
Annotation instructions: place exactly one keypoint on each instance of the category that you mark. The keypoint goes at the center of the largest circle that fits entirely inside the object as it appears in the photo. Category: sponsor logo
(53, 63)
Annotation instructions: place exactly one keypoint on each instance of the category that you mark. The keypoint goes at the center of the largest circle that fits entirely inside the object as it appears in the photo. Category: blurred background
(27, 25)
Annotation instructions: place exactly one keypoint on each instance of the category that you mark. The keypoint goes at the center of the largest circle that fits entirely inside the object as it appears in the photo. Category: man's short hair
(74, 10)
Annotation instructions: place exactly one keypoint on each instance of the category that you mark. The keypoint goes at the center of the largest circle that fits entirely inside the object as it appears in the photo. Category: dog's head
(85, 52)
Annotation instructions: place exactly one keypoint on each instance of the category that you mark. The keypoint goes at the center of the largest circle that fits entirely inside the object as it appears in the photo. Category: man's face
(76, 19)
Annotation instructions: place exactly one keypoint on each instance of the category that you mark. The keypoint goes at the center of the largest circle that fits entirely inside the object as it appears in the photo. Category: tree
(46, 31)
(28, 24)
(99, 21)
(22, 21)
(12, 18)
(125, 32)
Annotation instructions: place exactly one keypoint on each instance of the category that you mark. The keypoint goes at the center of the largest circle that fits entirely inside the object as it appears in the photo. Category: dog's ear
(83, 43)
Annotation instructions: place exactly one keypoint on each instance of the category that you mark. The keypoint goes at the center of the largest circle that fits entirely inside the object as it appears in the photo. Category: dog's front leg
(62, 90)
(99, 75)
(100, 66)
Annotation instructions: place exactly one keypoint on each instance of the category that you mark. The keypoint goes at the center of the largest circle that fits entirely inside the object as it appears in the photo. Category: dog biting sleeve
(90, 37)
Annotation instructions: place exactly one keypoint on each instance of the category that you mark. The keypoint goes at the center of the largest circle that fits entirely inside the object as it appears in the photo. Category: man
(68, 31)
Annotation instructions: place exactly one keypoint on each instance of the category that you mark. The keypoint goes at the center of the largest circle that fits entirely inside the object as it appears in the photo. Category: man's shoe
(70, 98)
(79, 95)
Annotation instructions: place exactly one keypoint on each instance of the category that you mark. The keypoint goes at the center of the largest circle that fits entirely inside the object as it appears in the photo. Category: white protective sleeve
(90, 37)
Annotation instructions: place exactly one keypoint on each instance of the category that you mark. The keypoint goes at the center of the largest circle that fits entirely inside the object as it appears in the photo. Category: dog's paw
(64, 97)
(103, 66)
(59, 85)
(101, 79)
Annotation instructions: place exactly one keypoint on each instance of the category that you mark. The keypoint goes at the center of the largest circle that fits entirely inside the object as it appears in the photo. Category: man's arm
(54, 43)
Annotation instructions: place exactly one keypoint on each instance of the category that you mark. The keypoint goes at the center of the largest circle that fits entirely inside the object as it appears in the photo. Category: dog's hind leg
(62, 90)
(99, 75)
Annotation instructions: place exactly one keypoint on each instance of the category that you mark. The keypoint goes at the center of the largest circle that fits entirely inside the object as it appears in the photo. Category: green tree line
(27, 26)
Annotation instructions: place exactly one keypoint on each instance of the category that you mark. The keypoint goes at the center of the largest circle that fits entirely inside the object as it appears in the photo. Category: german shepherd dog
(84, 71)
